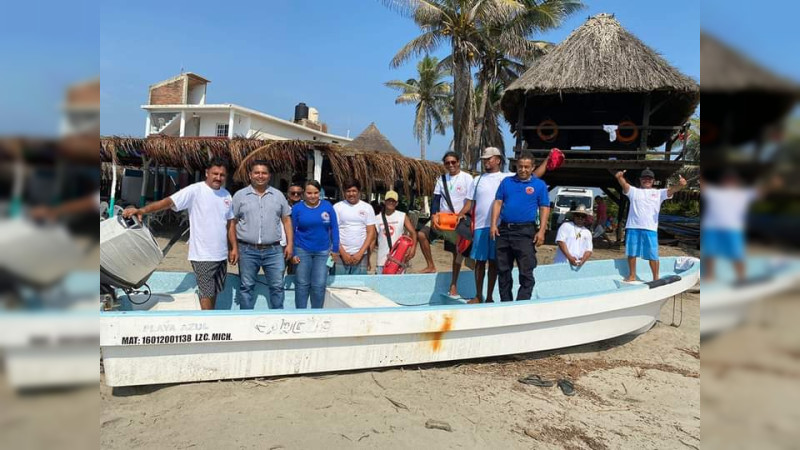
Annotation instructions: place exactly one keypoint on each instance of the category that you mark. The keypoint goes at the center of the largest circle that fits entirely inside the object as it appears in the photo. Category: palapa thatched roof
(601, 57)
(743, 99)
(372, 140)
(371, 169)
(723, 69)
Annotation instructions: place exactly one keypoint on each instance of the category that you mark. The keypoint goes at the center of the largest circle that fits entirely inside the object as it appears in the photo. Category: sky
(332, 55)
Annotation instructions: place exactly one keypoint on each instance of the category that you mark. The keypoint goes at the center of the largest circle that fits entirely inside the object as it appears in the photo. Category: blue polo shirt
(521, 199)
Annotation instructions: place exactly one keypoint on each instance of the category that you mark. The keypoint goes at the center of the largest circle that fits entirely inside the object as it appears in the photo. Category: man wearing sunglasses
(458, 185)
(295, 194)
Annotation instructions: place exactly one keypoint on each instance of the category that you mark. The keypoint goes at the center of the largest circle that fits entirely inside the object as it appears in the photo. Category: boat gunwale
(695, 268)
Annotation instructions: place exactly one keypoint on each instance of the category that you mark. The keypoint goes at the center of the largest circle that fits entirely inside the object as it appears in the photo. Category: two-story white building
(177, 107)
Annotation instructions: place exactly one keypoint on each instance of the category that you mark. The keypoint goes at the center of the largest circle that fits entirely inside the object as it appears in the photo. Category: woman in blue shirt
(316, 234)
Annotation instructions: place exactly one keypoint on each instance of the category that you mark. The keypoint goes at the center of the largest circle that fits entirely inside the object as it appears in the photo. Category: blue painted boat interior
(759, 269)
(553, 283)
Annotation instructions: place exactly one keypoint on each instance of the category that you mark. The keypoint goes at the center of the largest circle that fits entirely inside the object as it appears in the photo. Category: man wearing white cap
(573, 239)
(480, 199)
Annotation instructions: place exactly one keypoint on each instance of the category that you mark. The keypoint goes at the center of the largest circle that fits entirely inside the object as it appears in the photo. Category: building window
(222, 130)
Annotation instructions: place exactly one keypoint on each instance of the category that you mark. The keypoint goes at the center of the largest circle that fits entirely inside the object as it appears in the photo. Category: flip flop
(536, 380)
(566, 387)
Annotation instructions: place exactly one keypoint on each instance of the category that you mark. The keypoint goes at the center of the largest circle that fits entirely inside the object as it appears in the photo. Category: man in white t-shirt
(210, 220)
(356, 220)
(480, 199)
(397, 222)
(725, 207)
(458, 185)
(574, 240)
(641, 230)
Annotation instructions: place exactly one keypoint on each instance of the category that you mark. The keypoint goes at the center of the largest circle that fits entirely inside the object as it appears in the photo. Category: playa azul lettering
(172, 328)
(299, 326)
(176, 338)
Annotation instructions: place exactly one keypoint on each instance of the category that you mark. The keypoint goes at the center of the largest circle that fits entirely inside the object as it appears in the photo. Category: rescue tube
(395, 261)
(549, 134)
(629, 138)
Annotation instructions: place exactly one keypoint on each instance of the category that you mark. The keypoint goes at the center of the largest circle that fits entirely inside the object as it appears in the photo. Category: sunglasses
(295, 193)
(450, 163)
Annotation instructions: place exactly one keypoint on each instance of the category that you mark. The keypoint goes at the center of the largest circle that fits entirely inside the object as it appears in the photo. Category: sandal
(536, 380)
(566, 387)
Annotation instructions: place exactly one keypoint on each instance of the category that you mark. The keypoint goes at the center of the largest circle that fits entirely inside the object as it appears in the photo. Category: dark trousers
(515, 243)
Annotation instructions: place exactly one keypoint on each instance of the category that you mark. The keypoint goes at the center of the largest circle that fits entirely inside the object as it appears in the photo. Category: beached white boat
(373, 321)
(725, 303)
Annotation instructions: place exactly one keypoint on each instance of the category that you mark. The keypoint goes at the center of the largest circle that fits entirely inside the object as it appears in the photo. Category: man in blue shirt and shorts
(519, 201)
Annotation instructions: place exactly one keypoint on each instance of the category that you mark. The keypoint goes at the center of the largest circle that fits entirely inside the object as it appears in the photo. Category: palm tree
(432, 96)
(487, 100)
(464, 26)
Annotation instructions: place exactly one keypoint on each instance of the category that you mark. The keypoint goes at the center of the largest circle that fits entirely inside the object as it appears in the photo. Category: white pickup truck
(566, 199)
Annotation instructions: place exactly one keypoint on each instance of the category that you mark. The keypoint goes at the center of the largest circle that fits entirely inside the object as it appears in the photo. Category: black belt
(259, 246)
(512, 226)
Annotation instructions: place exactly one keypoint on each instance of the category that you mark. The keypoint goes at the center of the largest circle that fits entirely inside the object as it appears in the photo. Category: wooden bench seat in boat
(184, 301)
(355, 297)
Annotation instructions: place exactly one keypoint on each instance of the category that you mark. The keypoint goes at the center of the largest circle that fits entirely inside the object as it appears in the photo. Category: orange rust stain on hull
(435, 338)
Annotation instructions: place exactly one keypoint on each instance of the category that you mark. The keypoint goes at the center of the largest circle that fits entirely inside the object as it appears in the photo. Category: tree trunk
(422, 149)
(481, 121)
(462, 111)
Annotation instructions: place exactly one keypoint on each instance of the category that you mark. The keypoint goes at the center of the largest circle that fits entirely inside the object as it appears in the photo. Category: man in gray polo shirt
(258, 211)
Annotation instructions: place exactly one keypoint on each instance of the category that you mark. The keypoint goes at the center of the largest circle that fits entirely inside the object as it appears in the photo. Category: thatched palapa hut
(331, 164)
(372, 140)
(743, 99)
(601, 74)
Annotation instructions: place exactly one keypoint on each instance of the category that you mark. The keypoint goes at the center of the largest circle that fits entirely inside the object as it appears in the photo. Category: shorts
(210, 277)
(727, 244)
(641, 243)
(432, 235)
(484, 248)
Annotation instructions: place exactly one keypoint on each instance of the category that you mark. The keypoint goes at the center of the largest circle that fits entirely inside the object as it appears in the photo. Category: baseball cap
(390, 195)
(647, 173)
(488, 152)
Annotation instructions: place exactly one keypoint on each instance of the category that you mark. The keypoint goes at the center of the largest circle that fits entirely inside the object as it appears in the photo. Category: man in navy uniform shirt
(519, 201)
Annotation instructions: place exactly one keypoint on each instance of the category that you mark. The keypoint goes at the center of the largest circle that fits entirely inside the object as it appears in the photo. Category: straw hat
(580, 209)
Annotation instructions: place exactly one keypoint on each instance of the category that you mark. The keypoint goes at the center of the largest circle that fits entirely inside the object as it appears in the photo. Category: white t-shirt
(209, 213)
(726, 208)
(458, 186)
(487, 187)
(645, 206)
(353, 223)
(396, 223)
(578, 241)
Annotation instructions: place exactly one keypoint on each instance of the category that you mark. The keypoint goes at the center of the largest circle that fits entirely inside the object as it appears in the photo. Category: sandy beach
(641, 392)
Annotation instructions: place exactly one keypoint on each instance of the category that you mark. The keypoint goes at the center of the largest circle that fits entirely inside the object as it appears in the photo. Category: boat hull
(141, 348)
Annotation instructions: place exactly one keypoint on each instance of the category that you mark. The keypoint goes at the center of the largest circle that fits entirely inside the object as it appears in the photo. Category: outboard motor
(128, 255)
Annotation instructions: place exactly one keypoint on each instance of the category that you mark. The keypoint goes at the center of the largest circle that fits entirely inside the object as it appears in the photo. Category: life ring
(630, 138)
(552, 126)
(709, 132)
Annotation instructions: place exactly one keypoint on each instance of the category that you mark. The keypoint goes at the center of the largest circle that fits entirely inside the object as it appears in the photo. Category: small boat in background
(726, 303)
(373, 321)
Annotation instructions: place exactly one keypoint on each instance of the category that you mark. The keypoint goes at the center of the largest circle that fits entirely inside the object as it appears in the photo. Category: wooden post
(621, 214)
(145, 176)
(520, 125)
(645, 123)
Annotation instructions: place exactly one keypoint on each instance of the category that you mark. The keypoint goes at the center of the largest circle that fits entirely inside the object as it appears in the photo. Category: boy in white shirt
(641, 230)
(398, 222)
(356, 231)
(574, 240)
